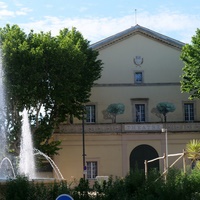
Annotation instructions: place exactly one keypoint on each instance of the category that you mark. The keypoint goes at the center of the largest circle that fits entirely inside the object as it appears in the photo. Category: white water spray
(52, 163)
(27, 161)
(7, 167)
(2, 113)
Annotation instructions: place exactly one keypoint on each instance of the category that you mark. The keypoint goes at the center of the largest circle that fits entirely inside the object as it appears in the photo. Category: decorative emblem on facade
(138, 60)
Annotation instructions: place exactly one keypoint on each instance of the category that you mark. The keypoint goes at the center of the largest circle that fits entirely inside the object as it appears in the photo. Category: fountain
(27, 151)
(5, 161)
(6, 169)
(26, 157)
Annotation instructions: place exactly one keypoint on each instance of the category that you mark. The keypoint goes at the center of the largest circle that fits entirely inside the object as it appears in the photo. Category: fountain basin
(34, 180)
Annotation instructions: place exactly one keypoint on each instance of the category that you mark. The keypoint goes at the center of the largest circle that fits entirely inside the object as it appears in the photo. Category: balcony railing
(129, 128)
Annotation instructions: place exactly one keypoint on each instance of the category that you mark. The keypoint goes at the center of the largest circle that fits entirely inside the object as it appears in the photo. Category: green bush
(23, 189)
(82, 191)
(135, 186)
(18, 189)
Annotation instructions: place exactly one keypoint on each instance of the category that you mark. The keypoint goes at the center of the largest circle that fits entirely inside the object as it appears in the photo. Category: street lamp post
(164, 130)
(83, 143)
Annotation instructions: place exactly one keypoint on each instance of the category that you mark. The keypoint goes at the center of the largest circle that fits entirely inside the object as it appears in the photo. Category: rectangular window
(189, 111)
(90, 114)
(138, 77)
(140, 112)
(91, 169)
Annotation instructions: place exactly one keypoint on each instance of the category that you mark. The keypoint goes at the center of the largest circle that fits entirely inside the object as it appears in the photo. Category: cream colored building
(141, 69)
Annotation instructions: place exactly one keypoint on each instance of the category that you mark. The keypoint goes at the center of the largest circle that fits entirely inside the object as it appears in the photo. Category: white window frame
(91, 112)
(136, 102)
(92, 169)
(188, 112)
(140, 112)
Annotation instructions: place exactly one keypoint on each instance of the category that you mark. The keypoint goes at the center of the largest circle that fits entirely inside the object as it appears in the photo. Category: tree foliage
(193, 149)
(190, 81)
(115, 109)
(193, 152)
(50, 76)
(164, 108)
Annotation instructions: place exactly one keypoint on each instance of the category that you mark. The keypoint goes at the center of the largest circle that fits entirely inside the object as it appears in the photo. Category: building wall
(125, 95)
(110, 146)
(112, 151)
(161, 69)
(159, 62)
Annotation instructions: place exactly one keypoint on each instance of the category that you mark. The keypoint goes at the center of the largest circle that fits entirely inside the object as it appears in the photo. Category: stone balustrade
(129, 127)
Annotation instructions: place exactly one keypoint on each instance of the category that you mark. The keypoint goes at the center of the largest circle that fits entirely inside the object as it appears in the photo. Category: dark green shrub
(18, 189)
(193, 184)
(135, 186)
(23, 189)
(150, 188)
(177, 186)
(2, 190)
(39, 191)
(114, 189)
(57, 188)
(82, 191)
(133, 181)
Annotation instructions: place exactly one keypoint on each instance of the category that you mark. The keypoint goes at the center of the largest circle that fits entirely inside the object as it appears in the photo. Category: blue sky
(98, 19)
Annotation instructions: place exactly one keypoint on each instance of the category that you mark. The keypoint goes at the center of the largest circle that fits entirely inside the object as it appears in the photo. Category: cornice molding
(137, 30)
(134, 85)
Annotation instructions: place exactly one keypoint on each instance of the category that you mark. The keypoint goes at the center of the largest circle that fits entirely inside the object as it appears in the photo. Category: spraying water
(2, 112)
(27, 161)
(52, 163)
(3, 141)
(7, 166)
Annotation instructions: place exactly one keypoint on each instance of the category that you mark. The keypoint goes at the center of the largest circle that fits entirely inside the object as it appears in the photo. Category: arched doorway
(141, 153)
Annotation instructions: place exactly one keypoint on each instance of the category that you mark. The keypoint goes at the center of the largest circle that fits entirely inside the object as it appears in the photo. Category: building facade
(141, 69)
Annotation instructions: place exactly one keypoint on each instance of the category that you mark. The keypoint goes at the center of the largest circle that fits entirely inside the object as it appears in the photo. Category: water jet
(26, 165)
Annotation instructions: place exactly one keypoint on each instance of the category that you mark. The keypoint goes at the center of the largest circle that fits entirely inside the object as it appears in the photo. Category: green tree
(190, 81)
(164, 108)
(50, 76)
(115, 109)
(193, 152)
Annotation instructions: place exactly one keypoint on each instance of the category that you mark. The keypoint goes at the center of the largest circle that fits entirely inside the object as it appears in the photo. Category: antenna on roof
(135, 16)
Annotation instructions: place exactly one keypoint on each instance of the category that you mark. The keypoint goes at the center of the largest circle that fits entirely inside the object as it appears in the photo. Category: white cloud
(6, 13)
(3, 5)
(23, 11)
(183, 26)
(176, 25)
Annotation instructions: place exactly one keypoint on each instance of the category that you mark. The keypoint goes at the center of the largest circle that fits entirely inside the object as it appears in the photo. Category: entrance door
(141, 153)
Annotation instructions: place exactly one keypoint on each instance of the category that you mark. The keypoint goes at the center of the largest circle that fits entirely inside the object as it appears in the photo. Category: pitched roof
(137, 30)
